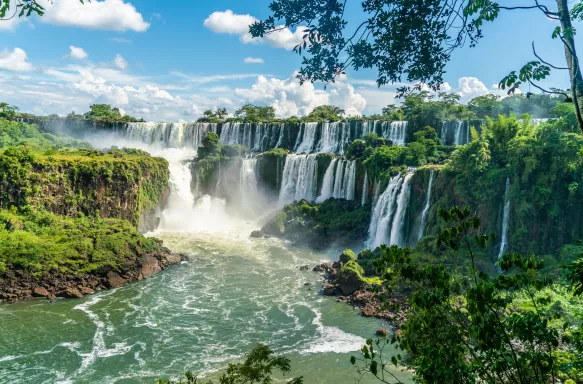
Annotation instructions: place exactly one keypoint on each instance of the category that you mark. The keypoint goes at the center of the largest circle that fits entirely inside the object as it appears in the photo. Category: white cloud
(253, 60)
(15, 61)
(234, 24)
(114, 15)
(11, 24)
(229, 22)
(213, 78)
(78, 53)
(290, 98)
(120, 62)
(470, 87)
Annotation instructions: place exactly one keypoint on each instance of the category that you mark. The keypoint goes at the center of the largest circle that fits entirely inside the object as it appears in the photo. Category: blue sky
(173, 62)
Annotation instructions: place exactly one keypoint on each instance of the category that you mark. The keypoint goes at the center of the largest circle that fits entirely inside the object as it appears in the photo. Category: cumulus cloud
(289, 98)
(253, 60)
(234, 24)
(15, 61)
(77, 53)
(113, 15)
(470, 87)
(120, 62)
(120, 40)
(229, 22)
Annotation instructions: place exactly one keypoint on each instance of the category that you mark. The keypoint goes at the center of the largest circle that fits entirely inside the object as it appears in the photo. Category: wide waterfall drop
(426, 208)
(364, 189)
(308, 143)
(335, 138)
(389, 215)
(505, 219)
(168, 135)
(339, 180)
(299, 180)
(396, 131)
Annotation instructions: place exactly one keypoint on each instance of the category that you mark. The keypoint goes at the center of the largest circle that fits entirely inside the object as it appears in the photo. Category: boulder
(114, 280)
(257, 234)
(328, 290)
(382, 332)
(276, 226)
(86, 290)
(71, 293)
(324, 267)
(350, 278)
(40, 292)
(369, 310)
(173, 258)
(150, 265)
(303, 268)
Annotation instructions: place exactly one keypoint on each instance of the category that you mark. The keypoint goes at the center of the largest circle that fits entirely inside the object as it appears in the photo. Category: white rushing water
(455, 132)
(388, 219)
(299, 180)
(426, 207)
(339, 180)
(505, 219)
(364, 189)
(168, 135)
(396, 131)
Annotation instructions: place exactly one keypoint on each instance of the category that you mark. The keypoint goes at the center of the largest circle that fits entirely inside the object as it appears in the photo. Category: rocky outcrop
(16, 286)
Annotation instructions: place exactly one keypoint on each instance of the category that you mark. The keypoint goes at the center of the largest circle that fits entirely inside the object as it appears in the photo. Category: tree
(257, 368)
(22, 8)
(392, 112)
(221, 113)
(7, 110)
(464, 329)
(482, 106)
(255, 114)
(325, 113)
(413, 40)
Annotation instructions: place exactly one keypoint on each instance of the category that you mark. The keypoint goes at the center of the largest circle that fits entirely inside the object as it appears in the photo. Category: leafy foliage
(104, 112)
(462, 328)
(257, 368)
(39, 242)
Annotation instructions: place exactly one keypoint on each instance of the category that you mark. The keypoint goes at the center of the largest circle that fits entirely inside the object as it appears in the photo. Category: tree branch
(550, 65)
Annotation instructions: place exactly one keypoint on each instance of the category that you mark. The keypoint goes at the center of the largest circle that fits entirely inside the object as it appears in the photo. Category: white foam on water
(332, 339)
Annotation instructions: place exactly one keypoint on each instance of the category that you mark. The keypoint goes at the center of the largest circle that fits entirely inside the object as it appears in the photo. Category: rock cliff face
(124, 186)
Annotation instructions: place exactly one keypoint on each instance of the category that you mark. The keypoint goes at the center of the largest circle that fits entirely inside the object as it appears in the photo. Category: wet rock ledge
(371, 300)
(16, 286)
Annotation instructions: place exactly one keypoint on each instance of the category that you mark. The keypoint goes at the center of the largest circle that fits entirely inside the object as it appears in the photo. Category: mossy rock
(346, 256)
(276, 226)
(350, 278)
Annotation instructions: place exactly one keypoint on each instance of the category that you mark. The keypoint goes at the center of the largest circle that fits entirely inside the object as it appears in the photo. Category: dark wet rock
(114, 280)
(324, 267)
(150, 265)
(382, 332)
(303, 268)
(257, 234)
(329, 290)
(307, 283)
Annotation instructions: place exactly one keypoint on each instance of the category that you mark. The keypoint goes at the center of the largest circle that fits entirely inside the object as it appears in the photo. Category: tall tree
(413, 40)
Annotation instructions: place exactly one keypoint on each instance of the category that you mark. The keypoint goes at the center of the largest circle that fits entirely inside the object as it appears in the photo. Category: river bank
(17, 286)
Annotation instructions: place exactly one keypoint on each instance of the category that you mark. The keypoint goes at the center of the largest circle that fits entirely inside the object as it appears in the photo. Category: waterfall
(364, 189)
(169, 135)
(389, 214)
(339, 180)
(299, 179)
(328, 182)
(426, 208)
(396, 131)
(308, 142)
(455, 132)
(505, 218)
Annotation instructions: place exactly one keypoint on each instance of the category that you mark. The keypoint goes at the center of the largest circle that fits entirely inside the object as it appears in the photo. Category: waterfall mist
(505, 219)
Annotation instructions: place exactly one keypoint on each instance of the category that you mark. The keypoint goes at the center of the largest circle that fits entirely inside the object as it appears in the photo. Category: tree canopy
(412, 41)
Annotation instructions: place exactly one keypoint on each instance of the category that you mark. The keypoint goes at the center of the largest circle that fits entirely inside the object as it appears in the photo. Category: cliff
(127, 184)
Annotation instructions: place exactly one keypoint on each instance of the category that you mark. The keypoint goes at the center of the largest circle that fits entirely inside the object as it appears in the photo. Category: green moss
(122, 184)
(346, 256)
(38, 242)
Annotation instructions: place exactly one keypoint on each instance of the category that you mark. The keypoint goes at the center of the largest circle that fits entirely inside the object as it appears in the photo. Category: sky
(173, 62)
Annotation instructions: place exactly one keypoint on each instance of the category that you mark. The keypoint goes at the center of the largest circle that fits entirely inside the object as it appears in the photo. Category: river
(233, 293)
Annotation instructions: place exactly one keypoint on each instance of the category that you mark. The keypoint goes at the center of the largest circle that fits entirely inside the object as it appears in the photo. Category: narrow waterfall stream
(299, 180)
(389, 213)
(505, 219)
(426, 207)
